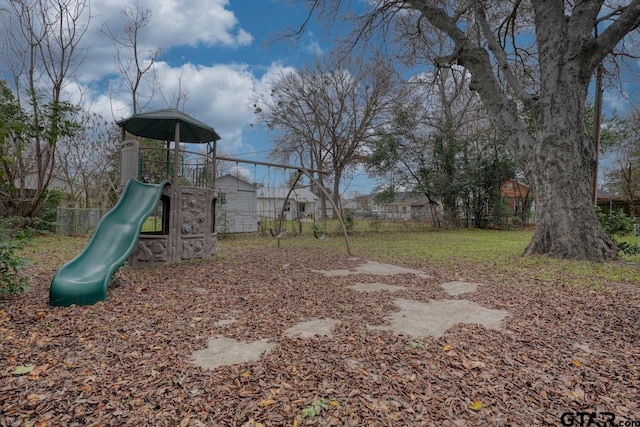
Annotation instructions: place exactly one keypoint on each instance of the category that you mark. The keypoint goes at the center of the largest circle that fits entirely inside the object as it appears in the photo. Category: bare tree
(624, 175)
(179, 96)
(327, 114)
(439, 138)
(85, 161)
(538, 57)
(223, 167)
(626, 178)
(42, 51)
(133, 59)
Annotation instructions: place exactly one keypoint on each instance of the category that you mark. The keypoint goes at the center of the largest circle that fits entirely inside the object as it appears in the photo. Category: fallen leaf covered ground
(127, 361)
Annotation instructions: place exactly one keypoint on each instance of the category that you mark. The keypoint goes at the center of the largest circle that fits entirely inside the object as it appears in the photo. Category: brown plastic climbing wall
(194, 236)
(189, 232)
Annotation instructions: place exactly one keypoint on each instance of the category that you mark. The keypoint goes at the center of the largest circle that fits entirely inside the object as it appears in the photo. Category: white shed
(236, 209)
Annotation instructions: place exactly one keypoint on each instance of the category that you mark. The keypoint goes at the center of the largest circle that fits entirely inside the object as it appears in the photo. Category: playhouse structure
(186, 212)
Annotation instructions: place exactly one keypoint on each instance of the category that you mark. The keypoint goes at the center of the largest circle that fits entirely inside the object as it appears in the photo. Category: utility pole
(596, 129)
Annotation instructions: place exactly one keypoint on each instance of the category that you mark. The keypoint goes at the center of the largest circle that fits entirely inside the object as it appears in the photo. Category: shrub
(349, 219)
(618, 223)
(23, 227)
(44, 222)
(11, 281)
(47, 216)
(626, 247)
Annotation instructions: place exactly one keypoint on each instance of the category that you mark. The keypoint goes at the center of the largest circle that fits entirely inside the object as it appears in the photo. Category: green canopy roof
(161, 125)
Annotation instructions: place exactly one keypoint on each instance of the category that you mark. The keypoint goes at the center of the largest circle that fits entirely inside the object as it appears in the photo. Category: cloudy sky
(213, 51)
(217, 53)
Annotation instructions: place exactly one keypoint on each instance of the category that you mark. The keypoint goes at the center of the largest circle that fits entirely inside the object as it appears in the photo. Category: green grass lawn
(471, 253)
(152, 223)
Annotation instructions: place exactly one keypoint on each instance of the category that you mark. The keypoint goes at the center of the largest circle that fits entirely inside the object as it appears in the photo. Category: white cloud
(110, 107)
(189, 22)
(312, 46)
(218, 95)
(271, 75)
(172, 23)
(180, 22)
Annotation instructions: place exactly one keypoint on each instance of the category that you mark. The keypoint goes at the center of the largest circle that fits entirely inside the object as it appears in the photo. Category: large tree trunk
(560, 168)
(567, 226)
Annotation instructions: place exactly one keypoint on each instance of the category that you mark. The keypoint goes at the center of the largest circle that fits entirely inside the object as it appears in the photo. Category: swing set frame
(279, 232)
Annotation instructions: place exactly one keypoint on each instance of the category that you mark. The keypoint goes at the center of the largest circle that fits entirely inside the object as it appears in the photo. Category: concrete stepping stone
(378, 268)
(458, 288)
(376, 287)
(223, 351)
(311, 328)
(418, 319)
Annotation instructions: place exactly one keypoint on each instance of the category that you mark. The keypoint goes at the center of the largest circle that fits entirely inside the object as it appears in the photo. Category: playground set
(188, 213)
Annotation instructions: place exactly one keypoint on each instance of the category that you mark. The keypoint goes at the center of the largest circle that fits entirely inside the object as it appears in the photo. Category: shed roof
(234, 178)
(298, 194)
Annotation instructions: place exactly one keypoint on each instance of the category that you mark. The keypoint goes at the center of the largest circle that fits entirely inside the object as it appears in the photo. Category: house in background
(361, 205)
(302, 203)
(411, 206)
(610, 203)
(404, 206)
(241, 205)
(236, 207)
(518, 198)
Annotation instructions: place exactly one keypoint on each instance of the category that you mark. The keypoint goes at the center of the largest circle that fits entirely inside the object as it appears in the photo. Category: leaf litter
(127, 361)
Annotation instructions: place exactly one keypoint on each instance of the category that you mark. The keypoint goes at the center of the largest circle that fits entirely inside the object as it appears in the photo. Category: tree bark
(562, 160)
(336, 192)
(567, 226)
(559, 168)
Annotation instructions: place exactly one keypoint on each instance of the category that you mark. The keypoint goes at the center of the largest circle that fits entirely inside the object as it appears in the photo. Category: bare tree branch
(628, 20)
(501, 57)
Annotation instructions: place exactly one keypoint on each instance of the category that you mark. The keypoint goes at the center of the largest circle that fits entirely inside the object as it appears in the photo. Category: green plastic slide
(84, 280)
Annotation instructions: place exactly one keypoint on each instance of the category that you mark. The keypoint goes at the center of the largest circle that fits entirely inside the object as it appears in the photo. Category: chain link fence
(78, 221)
